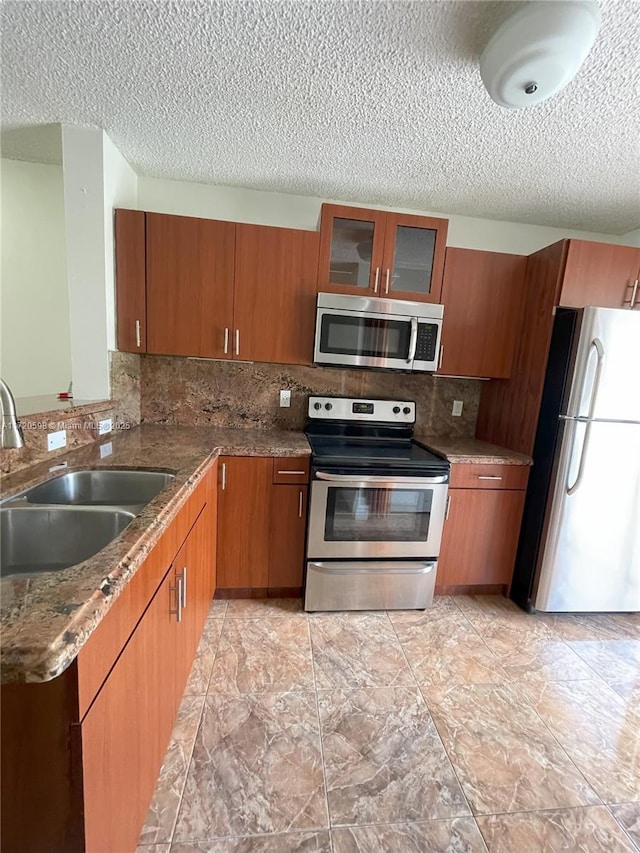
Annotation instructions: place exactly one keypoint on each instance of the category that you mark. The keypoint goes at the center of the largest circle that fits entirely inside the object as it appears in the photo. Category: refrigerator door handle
(596, 344)
(583, 455)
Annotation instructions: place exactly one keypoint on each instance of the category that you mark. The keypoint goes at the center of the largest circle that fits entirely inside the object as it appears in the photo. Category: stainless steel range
(377, 507)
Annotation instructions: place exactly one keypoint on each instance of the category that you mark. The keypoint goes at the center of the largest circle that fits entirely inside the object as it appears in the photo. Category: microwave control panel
(427, 340)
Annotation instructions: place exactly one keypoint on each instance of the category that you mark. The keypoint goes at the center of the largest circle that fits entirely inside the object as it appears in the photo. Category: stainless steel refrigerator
(579, 547)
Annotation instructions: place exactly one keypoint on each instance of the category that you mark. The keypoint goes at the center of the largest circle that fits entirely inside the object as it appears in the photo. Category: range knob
(406, 410)
(396, 410)
(328, 406)
(317, 406)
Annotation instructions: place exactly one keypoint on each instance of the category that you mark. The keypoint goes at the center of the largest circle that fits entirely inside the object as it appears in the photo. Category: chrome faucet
(10, 428)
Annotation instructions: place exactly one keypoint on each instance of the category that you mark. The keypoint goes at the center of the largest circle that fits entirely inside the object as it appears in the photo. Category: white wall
(35, 357)
(631, 238)
(96, 177)
(290, 211)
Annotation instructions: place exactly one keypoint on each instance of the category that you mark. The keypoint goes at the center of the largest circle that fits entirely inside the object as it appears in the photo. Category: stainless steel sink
(66, 520)
(100, 488)
(47, 539)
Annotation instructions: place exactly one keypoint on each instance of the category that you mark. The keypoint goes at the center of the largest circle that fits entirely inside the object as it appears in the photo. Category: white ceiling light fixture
(538, 51)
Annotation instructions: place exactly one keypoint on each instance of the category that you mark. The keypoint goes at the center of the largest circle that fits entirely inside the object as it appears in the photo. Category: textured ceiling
(372, 101)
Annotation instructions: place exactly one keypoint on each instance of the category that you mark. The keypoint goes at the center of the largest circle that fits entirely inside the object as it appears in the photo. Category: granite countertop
(472, 450)
(47, 618)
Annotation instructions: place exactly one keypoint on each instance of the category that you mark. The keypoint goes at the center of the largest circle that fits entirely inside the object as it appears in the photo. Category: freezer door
(591, 557)
(606, 380)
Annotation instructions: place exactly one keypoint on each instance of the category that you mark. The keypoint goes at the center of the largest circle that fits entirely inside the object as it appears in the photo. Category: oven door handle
(388, 480)
(413, 340)
(402, 567)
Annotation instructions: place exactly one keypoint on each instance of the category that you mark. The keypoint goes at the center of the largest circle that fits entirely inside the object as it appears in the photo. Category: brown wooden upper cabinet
(131, 266)
(190, 266)
(275, 294)
(372, 252)
(483, 297)
(200, 287)
(600, 274)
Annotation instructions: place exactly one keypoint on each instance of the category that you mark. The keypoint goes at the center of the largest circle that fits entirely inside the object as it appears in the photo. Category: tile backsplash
(222, 393)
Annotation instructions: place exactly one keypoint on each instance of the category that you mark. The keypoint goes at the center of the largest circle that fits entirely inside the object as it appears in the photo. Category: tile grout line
(186, 773)
(193, 745)
(215, 656)
(433, 722)
(320, 737)
(608, 806)
(558, 742)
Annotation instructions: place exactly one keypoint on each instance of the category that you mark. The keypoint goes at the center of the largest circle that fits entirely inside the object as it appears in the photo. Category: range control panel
(355, 409)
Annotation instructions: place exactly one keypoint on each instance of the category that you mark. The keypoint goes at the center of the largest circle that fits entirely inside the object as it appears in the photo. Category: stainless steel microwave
(362, 331)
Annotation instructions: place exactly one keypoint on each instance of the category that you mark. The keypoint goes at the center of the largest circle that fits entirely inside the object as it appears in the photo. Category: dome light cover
(538, 51)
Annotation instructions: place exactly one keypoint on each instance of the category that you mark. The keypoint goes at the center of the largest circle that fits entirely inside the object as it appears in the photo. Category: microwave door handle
(413, 340)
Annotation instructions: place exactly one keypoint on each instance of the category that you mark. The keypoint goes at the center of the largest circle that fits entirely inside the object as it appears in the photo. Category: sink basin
(100, 488)
(41, 539)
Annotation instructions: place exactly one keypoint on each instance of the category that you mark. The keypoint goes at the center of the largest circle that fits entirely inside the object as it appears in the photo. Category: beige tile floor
(470, 727)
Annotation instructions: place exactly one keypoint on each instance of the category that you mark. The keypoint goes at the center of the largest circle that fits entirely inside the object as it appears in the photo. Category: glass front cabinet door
(414, 250)
(371, 252)
(351, 247)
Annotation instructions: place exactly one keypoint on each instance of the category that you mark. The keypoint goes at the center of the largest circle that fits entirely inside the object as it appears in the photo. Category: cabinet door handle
(440, 358)
(292, 472)
(633, 286)
(183, 577)
(446, 512)
(386, 287)
(237, 341)
(300, 501)
(224, 476)
(226, 341)
(138, 339)
(376, 280)
(178, 591)
(488, 477)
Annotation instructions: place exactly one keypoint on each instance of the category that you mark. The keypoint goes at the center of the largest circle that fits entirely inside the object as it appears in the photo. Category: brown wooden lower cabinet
(261, 525)
(480, 538)
(243, 521)
(81, 754)
(287, 536)
(120, 757)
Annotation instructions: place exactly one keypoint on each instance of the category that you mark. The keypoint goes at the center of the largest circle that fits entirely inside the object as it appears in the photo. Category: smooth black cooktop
(373, 453)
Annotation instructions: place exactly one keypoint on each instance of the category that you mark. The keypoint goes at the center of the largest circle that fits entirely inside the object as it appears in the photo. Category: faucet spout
(10, 427)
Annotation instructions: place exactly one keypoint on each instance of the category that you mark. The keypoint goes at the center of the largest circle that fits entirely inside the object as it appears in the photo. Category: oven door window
(377, 514)
(364, 336)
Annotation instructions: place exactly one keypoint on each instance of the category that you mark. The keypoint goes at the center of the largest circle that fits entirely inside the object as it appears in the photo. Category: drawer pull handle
(487, 477)
(292, 472)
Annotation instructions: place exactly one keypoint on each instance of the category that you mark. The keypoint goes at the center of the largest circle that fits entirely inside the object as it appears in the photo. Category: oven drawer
(291, 470)
(379, 585)
(488, 476)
